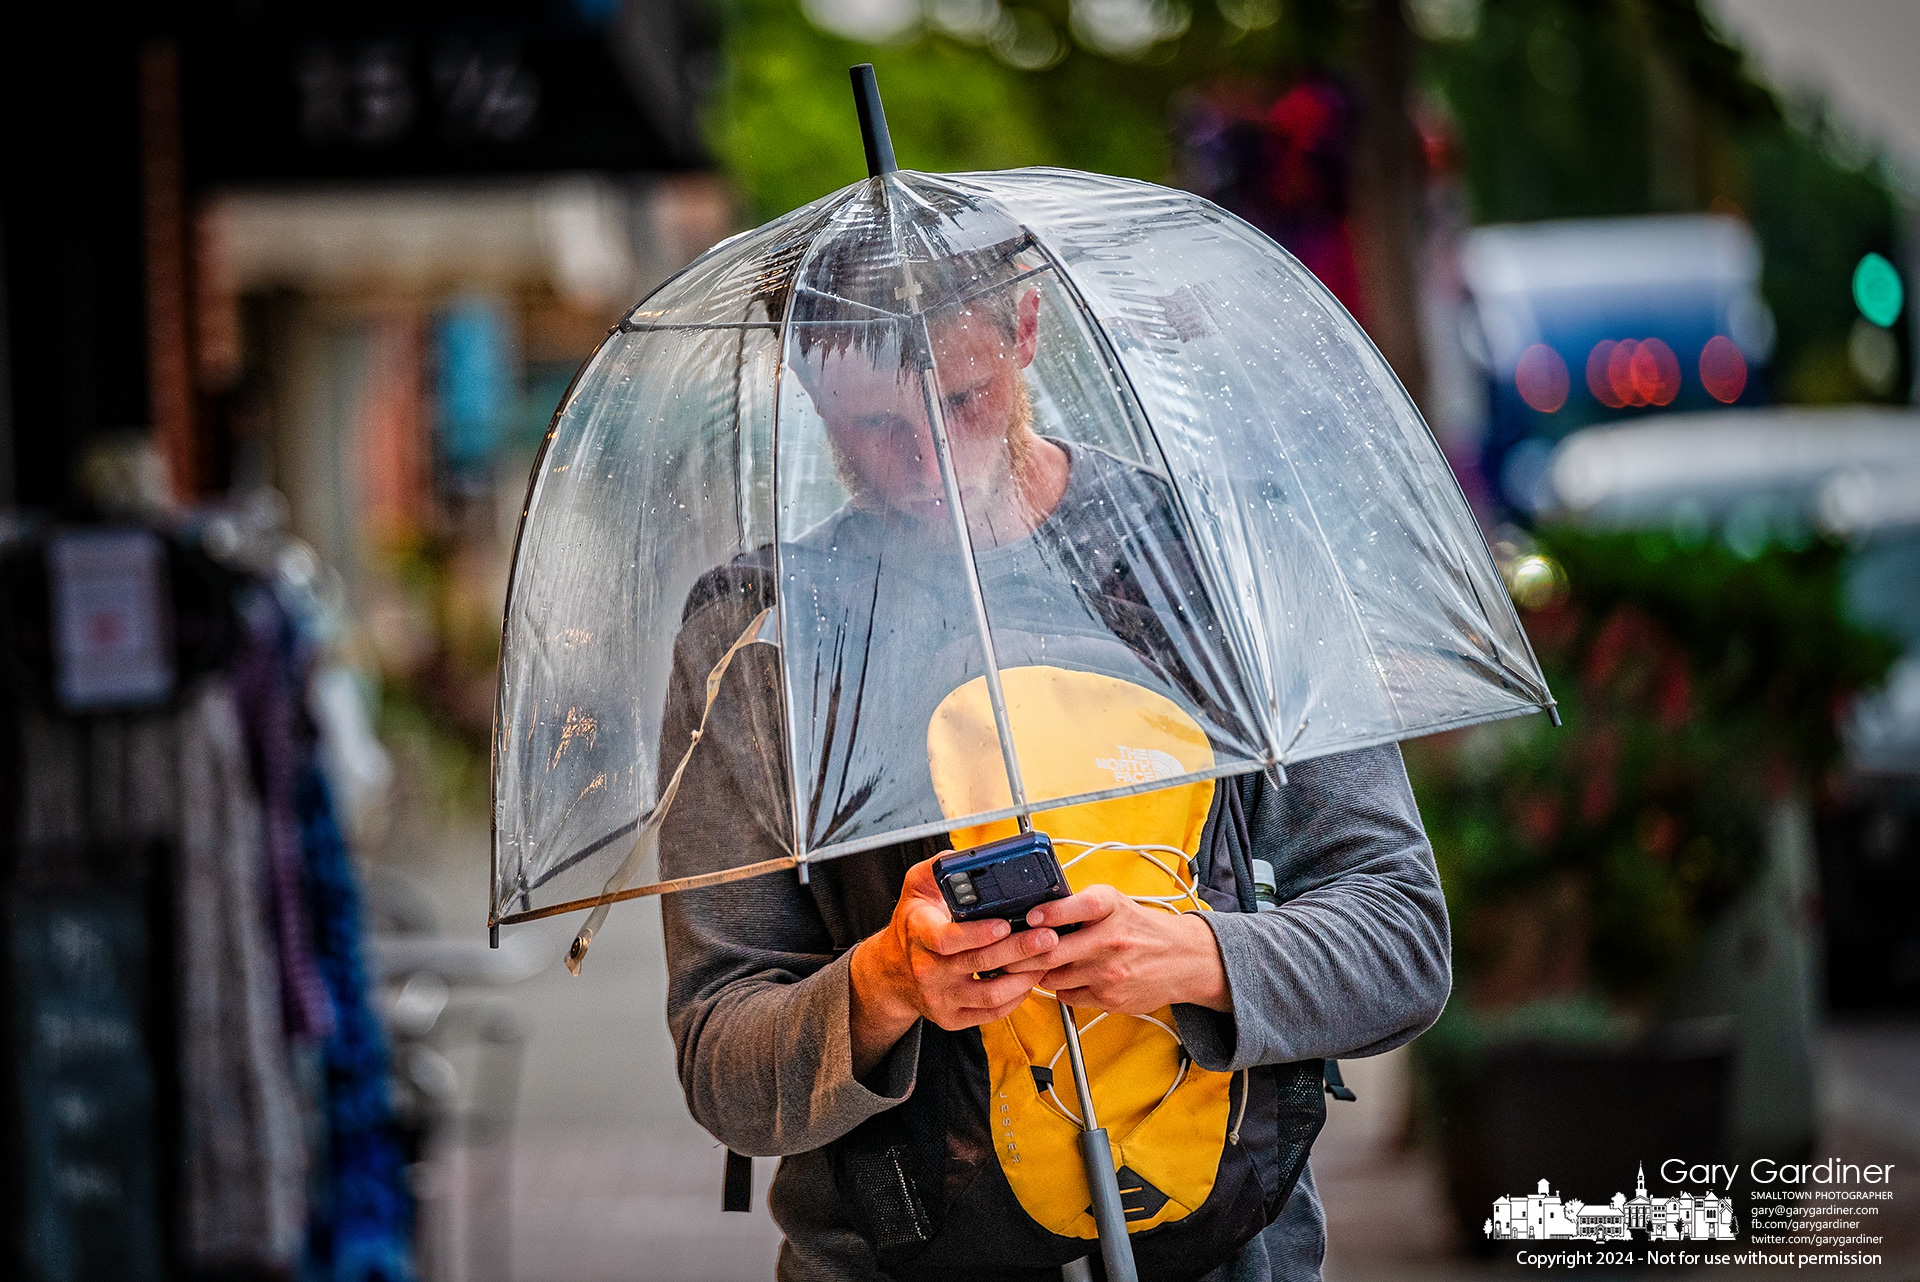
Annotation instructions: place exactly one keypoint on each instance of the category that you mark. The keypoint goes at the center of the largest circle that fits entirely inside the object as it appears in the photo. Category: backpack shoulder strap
(1225, 857)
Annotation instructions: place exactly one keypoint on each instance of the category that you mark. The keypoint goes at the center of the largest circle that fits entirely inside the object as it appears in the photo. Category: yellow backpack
(1205, 1159)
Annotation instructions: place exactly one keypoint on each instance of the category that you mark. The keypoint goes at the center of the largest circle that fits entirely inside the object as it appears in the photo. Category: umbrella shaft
(1096, 1155)
(1081, 1088)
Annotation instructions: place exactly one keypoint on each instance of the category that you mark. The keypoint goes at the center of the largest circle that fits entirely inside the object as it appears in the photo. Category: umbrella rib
(590, 848)
(799, 841)
(631, 864)
(935, 827)
(1191, 527)
(702, 326)
(950, 479)
(506, 618)
(694, 882)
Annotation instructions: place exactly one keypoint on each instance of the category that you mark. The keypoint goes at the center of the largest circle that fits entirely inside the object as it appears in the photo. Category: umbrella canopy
(953, 461)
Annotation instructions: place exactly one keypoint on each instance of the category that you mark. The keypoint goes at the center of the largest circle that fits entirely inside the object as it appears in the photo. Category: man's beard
(864, 495)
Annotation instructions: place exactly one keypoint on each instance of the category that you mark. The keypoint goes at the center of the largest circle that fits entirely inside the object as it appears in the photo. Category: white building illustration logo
(1538, 1217)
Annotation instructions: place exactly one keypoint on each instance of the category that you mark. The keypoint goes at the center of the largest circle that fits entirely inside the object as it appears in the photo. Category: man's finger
(992, 994)
(1000, 1012)
(1071, 975)
(1088, 941)
(1025, 946)
(930, 928)
(1092, 904)
(1078, 998)
(919, 881)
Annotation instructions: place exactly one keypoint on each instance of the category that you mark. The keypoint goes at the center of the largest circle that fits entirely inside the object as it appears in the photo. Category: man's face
(877, 424)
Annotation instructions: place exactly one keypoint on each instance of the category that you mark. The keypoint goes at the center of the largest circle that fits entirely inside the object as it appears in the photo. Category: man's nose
(915, 440)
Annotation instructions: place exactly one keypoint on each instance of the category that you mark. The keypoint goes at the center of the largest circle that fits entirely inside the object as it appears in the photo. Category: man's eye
(958, 400)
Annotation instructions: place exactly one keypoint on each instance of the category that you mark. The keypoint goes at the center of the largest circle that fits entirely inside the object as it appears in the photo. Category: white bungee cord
(1189, 894)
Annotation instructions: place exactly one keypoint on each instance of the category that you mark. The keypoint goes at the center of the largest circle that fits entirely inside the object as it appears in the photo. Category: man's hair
(867, 294)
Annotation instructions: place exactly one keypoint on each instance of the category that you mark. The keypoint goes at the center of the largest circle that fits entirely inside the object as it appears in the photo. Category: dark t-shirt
(881, 626)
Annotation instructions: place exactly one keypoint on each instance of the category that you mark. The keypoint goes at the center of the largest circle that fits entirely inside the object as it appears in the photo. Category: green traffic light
(1877, 290)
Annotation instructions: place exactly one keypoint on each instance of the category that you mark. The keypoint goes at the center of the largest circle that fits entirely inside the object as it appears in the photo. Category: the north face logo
(1140, 765)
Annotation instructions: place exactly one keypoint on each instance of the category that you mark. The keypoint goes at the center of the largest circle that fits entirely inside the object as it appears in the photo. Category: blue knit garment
(361, 1230)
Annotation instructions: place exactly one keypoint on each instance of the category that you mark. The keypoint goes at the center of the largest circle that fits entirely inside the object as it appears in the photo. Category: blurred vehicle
(1787, 475)
(1583, 321)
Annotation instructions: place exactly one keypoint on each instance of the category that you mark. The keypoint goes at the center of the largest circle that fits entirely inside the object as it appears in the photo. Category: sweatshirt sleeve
(1356, 961)
(757, 1000)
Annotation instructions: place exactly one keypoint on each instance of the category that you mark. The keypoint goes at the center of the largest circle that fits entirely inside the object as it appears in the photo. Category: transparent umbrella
(844, 522)
(1318, 583)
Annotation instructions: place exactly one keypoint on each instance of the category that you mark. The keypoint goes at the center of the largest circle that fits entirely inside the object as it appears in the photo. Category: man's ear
(1027, 326)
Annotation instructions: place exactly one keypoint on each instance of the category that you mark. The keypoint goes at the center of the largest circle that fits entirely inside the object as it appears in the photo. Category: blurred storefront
(398, 351)
(405, 230)
(290, 297)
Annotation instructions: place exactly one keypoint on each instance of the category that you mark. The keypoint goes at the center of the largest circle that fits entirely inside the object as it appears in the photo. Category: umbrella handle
(1103, 1182)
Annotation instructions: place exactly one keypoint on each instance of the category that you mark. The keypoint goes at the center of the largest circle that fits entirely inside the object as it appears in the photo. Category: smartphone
(1006, 878)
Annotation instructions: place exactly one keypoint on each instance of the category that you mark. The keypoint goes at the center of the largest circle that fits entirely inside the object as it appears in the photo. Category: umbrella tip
(873, 121)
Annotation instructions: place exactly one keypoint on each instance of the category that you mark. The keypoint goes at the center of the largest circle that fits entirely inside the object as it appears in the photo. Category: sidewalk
(610, 1179)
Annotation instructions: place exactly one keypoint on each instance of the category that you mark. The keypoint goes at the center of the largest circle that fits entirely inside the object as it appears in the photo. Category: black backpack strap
(1336, 1085)
(1241, 845)
(738, 1191)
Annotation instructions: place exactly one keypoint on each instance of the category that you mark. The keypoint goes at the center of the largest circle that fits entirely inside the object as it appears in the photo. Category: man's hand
(922, 966)
(1127, 957)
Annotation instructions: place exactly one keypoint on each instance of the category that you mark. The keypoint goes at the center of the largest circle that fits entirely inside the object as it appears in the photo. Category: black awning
(413, 89)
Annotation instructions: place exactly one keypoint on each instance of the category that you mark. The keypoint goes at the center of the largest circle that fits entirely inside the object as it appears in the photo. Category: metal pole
(950, 480)
(1096, 1155)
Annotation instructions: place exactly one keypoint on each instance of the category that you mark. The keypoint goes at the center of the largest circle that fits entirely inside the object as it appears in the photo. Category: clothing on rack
(182, 775)
(279, 1168)
(266, 684)
(244, 1186)
(362, 1227)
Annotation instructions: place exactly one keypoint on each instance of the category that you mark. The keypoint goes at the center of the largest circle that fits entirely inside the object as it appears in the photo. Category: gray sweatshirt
(1355, 962)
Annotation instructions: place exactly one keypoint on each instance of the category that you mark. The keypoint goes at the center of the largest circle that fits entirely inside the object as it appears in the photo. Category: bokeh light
(1536, 581)
(1597, 380)
(1875, 357)
(1655, 372)
(1542, 379)
(1723, 370)
(1633, 372)
(1877, 290)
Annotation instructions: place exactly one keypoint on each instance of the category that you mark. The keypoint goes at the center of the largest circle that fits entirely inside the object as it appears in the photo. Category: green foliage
(1551, 101)
(448, 764)
(1696, 687)
(1566, 109)
(784, 130)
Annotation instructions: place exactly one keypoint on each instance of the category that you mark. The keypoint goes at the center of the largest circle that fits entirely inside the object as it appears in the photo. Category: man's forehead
(962, 341)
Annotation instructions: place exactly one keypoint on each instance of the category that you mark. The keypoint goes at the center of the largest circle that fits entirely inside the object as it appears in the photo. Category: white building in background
(1543, 1216)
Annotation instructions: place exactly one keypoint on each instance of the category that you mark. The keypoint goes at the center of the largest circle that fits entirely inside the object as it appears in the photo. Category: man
(795, 1019)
